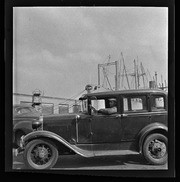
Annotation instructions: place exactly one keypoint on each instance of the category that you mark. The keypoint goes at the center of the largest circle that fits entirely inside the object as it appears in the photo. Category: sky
(57, 49)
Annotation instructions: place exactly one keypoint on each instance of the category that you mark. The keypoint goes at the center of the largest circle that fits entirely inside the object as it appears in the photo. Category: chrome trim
(77, 136)
(49, 134)
(144, 113)
(22, 141)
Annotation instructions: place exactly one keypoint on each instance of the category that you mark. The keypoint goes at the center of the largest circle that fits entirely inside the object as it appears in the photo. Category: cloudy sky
(57, 50)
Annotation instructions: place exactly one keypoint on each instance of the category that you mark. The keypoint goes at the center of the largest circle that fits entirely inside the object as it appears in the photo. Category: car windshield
(22, 110)
(84, 105)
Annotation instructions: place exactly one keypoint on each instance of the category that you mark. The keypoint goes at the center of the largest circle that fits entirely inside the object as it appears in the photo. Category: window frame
(131, 96)
(151, 102)
(21, 108)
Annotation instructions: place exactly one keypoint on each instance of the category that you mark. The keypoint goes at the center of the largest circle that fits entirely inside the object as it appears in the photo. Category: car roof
(134, 91)
(21, 105)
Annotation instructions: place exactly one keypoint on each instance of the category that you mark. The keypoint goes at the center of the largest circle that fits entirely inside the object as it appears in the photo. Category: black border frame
(8, 49)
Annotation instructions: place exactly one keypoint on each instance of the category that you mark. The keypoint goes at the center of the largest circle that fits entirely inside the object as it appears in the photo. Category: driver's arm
(108, 110)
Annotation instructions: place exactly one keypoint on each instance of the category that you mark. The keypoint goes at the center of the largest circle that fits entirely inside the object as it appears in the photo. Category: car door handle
(90, 134)
(123, 115)
(118, 116)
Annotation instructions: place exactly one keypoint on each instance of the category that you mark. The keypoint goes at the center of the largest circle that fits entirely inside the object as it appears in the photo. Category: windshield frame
(84, 105)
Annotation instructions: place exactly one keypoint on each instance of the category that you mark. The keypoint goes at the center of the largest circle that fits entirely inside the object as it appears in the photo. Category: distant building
(50, 105)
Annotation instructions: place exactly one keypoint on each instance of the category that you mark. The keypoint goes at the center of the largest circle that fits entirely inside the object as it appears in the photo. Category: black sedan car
(109, 122)
(23, 115)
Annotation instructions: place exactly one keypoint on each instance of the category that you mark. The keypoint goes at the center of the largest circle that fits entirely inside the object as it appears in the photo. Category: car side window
(136, 104)
(24, 110)
(105, 106)
(98, 104)
(133, 104)
(157, 103)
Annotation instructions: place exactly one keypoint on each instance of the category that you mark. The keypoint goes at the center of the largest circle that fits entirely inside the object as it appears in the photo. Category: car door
(83, 129)
(107, 128)
(135, 115)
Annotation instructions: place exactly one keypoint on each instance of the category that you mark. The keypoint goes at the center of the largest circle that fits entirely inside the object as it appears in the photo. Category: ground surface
(127, 160)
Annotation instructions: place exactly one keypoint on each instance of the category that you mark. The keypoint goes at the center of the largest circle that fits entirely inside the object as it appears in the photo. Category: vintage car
(139, 124)
(23, 115)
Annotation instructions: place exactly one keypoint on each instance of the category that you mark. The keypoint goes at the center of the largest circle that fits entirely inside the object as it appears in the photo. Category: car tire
(155, 149)
(40, 154)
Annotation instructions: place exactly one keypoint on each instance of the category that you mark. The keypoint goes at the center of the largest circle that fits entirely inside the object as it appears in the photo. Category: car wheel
(155, 149)
(40, 154)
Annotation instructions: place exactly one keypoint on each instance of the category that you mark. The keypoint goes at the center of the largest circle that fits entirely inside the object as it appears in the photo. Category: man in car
(111, 110)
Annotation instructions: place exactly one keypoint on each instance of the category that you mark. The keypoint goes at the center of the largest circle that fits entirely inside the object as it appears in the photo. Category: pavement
(127, 160)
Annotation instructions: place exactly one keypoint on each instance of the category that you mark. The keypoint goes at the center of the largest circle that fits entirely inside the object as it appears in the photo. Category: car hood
(25, 117)
(29, 117)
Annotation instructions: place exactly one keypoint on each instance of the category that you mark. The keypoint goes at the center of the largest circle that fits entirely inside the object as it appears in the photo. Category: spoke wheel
(155, 149)
(40, 154)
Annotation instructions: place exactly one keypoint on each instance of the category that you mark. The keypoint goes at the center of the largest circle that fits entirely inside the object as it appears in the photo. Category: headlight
(36, 124)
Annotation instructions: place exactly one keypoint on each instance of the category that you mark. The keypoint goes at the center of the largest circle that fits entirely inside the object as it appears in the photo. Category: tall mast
(142, 74)
(99, 75)
(135, 74)
(117, 77)
(145, 74)
(156, 78)
(162, 85)
(125, 71)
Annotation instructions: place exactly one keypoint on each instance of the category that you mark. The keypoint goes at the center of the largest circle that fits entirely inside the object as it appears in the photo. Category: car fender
(151, 128)
(25, 126)
(22, 126)
(54, 136)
